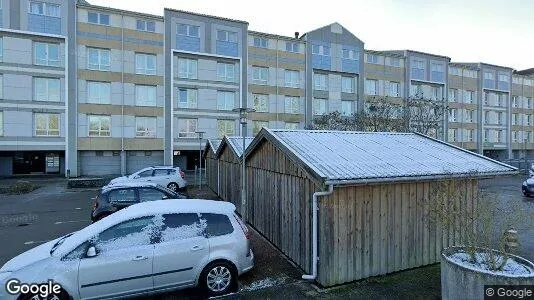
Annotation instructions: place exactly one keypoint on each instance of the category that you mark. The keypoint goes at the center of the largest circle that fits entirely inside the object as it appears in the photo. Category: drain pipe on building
(315, 208)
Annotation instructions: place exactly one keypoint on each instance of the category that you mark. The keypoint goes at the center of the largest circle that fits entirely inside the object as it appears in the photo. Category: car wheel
(61, 296)
(173, 186)
(218, 278)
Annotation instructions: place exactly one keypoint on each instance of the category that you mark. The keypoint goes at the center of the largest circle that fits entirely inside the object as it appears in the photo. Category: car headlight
(524, 183)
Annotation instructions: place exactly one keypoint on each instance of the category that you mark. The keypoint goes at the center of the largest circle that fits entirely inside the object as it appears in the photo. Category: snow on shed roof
(359, 157)
(236, 143)
(213, 144)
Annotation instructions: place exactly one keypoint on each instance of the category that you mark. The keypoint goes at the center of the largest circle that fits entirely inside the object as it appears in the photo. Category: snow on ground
(264, 283)
(511, 268)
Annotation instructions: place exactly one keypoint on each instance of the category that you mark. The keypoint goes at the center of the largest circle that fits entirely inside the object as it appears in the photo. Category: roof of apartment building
(464, 65)
(404, 52)
(275, 36)
(525, 72)
(204, 15)
(341, 157)
(385, 53)
(478, 64)
(85, 4)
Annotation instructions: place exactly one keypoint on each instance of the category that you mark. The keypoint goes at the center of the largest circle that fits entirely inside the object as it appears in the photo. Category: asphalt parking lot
(52, 210)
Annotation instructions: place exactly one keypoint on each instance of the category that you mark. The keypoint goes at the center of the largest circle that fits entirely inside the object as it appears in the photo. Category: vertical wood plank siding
(230, 177)
(212, 169)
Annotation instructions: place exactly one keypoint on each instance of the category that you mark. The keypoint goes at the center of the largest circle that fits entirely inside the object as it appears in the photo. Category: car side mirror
(91, 252)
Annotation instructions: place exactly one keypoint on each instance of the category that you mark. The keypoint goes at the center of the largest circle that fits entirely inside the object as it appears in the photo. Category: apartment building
(91, 90)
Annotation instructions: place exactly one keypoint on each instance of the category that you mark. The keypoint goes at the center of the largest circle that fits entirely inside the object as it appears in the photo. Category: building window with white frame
(187, 98)
(515, 101)
(528, 120)
(46, 54)
(371, 58)
(144, 25)
(470, 116)
(225, 127)
(98, 59)
(437, 92)
(1, 86)
(187, 128)
(437, 73)
(486, 117)
(187, 68)
(486, 135)
(45, 9)
(515, 136)
(470, 135)
(346, 108)
(291, 126)
(47, 124)
(292, 47)
(98, 92)
(500, 118)
(145, 64)
(225, 100)
(188, 30)
(292, 105)
(258, 125)
(455, 71)
(226, 72)
(517, 80)
(260, 75)
(528, 137)
(348, 84)
(145, 95)
(319, 107)
(469, 96)
(1, 123)
(46, 89)
(470, 73)
(514, 119)
(394, 89)
(452, 134)
(260, 42)
(453, 95)
(321, 50)
(393, 61)
(292, 78)
(500, 136)
(418, 69)
(453, 115)
(371, 86)
(98, 18)
(320, 82)
(99, 125)
(529, 102)
(145, 127)
(1, 48)
(261, 102)
(350, 54)
(416, 90)
(227, 36)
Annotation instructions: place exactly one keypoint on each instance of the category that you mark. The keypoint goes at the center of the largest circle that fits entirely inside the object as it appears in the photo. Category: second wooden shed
(345, 205)
(211, 164)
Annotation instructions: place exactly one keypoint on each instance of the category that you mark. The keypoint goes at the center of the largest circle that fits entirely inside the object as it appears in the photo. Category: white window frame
(470, 135)
(291, 125)
(1, 123)
(191, 98)
(223, 127)
(226, 72)
(292, 105)
(391, 91)
(258, 125)
(47, 130)
(47, 92)
(318, 83)
(453, 115)
(262, 105)
(350, 105)
(229, 36)
(145, 25)
(455, 71)
(292, 78)
(318, 104)
(452, 134)
(471, 98)
(351, 54)
(453, 95)
(46, 11)
(368, 84)
(372, 58)
(226, 100)
(104, 92)
(102, 66)
(322, 50)
(469, 113)
(99, 21)
(187, 68)
(187, 128)
(292, 47)
(344, 81)
(149, 125)
(142, 66)
(142, 95)
(47, 61)
(260, 75)
(260, 42)
(100, 132)
(188, 30)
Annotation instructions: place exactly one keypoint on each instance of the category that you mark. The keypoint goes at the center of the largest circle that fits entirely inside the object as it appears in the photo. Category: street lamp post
(243, 121)
(200, 133)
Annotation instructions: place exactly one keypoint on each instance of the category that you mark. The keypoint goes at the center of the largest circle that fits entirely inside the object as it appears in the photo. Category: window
(500, 118)
(504, 82)
(261, 102)
(469, 96)
(122, 195)
(46, 54)
(321, 50)
(502, 100)
(528, 135)
(127, 234)
(346, 108)
(514, 101)
(529, 82)
(320, 82)
(517, 80)
(416, 90)
(145, 95)
(372, 59)
(225, 127)
(99, 125)
(145, 64)
(98, 92)
(187, 128)
(187, 68)
(260, 75)
(258, 125)
(46, 124)
(529, 102)
(515, 136)
(149, 194)
(226, 36)
(348, 84)
(46, 89)
(98, 18)
(488, 80)
(470, 116)
(217, 224)
(499, 136)
(292, 47)
(418, 69)
(319, 106)
(225, 72)
(393, 61)
(1, 123)
(188, 30)
(182, 226)
(455, 71)
(453, 114)
(371, 87)
(291, 126)
(453, 95)
(470, 73)
(45, 9)
(486, 117)
(529, 120)
(145, 127)
(143, 25)
(514, 119)
(292, 105)
(452, 135)
(98, 59)
(349, 54)
(394, 89)
(486, 135)
(187, 98)
(437, 92)
(225, 100)
(292, 78)
(2, 49)
(470, 135)
(260, 42)
(436, 72)
(488, 75)
(1, 86)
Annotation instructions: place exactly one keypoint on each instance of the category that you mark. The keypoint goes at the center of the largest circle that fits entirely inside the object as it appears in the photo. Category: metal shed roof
(213, 144)
(342, 157)
(236, 144)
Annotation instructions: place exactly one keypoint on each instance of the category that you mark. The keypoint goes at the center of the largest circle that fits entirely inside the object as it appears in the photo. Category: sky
(499, 32)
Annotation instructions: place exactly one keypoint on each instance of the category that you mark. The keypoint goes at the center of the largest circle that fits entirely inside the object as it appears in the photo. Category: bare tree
(425, 116)
(381, 115)
(334, 121)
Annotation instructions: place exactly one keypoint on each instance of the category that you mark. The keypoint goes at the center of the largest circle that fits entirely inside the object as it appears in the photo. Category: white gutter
(315, 208)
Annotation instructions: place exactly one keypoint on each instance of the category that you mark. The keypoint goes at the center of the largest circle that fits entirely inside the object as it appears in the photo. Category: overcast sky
(499, 32)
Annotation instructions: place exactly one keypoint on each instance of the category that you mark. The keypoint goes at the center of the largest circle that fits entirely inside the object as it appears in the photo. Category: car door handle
(196, 248)
(139, 257)
(149, 180)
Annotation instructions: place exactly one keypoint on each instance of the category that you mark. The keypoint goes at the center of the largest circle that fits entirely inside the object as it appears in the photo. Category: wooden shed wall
(279, 202)
(373, 230)
(212, 169)
(230, 177)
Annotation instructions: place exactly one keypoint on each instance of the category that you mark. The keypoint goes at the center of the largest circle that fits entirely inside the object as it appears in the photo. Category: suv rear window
(217, 225)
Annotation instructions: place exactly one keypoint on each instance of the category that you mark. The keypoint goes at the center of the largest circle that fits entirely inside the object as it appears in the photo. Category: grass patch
(19, 188)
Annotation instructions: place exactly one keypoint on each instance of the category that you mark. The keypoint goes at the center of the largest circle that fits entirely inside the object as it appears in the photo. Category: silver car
(147, 248)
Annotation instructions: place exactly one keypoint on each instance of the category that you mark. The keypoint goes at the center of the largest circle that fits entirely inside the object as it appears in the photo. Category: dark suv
(114, 198)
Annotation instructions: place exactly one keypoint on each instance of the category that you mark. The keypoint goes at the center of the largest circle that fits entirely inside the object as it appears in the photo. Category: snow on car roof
(127, 184)
(143, 209)
(337, 156)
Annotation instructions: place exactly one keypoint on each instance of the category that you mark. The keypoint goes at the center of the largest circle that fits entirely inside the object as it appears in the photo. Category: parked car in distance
(146, 248)
(528, 187)
(167, 176)
(116, 197)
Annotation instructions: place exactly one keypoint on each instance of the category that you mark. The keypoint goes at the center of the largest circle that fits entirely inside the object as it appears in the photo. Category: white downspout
(315, 208)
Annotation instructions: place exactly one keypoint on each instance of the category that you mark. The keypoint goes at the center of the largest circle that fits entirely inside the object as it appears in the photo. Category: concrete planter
(460, 282)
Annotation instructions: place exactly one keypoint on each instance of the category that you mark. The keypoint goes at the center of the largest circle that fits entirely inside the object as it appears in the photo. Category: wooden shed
(212, 165)
(366, 187)
(229, 159)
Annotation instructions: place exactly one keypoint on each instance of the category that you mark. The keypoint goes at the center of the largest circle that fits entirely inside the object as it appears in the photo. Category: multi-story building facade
(90, 90)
